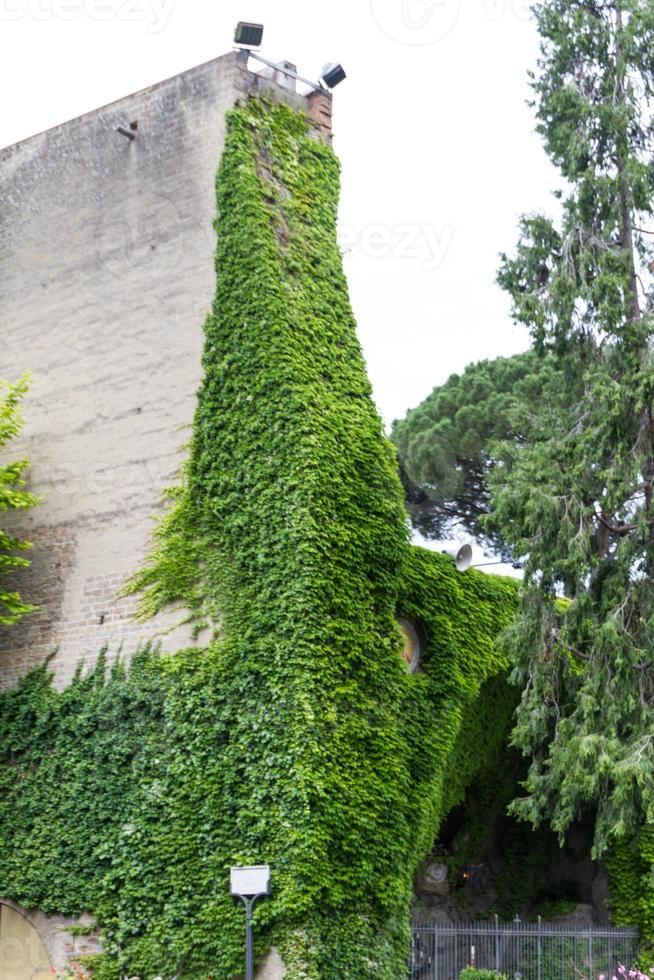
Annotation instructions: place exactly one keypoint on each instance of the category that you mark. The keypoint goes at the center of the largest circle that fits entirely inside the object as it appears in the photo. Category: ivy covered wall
(112, 799)
(631, 867)
(296, 737)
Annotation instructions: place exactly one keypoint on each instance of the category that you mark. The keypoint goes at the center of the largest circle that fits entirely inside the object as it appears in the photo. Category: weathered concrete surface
(106, 274)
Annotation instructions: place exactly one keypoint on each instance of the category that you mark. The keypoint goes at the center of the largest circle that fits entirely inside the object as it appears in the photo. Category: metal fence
(521, 950)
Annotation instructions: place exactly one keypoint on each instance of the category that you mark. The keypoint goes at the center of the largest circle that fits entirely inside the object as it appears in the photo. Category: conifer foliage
(446, 446)
(578, 500)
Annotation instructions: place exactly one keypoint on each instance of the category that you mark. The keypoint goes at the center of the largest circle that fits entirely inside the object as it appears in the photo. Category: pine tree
(578, 501)
(445, 445)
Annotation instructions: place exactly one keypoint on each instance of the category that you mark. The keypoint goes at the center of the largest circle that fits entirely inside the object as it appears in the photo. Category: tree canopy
(547, 457)
(577, 502)
(446, 445)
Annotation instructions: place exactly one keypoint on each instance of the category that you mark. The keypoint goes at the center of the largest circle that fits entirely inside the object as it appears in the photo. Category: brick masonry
(106, 275)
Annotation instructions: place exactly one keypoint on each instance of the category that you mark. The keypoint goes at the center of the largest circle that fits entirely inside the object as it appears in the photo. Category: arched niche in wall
(413, 642)
(22, 953)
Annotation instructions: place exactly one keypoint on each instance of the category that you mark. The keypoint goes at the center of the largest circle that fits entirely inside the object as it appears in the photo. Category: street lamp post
(250, 884)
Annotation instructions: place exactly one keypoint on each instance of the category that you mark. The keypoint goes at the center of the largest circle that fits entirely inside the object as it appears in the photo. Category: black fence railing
(521, 950)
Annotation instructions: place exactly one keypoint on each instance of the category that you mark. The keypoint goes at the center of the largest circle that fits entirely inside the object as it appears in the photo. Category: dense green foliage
(294, 487)
(565, 481)
(112, 795)
(462, 689)
(297, 737)
(173, 577)
(71, 762)
(578, 501)
(470, 973)
(632, 887)
(12, 497)
(445, 445)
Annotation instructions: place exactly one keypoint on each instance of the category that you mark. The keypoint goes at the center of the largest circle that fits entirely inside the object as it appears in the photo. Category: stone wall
(63, 946)
(106, 275)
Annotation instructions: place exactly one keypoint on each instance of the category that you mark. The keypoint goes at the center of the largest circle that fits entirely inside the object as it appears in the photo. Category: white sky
(437, 144)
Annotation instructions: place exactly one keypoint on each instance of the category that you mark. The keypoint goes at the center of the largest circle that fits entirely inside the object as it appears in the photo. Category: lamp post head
(246, 882)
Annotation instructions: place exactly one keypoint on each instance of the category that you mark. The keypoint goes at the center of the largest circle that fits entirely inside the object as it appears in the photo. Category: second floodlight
(333, 75)
(250, 35)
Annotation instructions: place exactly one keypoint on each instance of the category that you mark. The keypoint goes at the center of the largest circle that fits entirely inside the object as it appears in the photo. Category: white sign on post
(250, 881)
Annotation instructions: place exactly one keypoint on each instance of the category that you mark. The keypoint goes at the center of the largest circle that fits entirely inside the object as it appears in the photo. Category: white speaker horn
(462, 557)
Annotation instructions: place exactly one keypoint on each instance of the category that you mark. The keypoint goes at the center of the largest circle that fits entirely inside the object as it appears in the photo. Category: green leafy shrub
(12, 497)
(631, 870)
(470, 973)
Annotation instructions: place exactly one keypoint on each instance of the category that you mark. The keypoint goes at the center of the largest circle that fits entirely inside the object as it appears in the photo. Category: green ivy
(69, 765)
(631, 871)
(296, 737)
(13, 496)
(470, 973)
(110, 800)
(461, 700)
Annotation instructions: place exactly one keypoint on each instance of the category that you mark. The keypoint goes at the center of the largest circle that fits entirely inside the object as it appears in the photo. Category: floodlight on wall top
(249, 35)
(333, 75)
